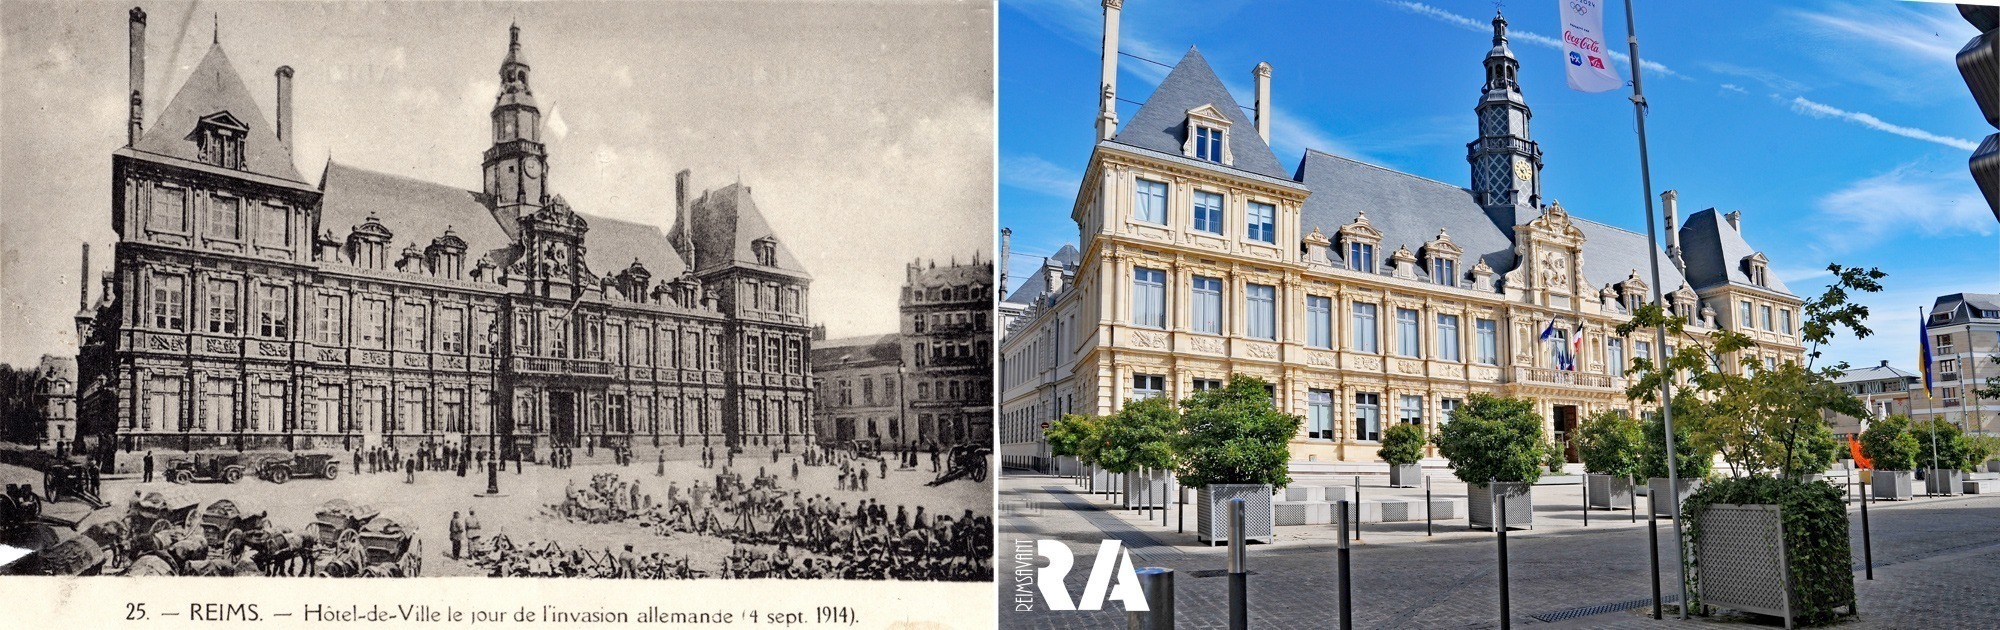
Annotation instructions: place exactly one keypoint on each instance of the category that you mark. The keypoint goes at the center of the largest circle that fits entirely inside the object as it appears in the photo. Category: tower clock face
(533, 169)
(1523, 170)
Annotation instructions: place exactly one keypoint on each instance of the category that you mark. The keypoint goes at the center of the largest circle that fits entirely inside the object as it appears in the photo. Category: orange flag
(1854, 448)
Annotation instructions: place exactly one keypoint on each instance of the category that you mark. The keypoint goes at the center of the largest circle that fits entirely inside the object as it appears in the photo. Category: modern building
(1885, 390)
(1037, 360)
(250, 309)
(1368, 296)
(1964, 330)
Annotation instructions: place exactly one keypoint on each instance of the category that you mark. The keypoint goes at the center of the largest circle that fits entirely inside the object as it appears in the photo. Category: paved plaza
(1934, 562)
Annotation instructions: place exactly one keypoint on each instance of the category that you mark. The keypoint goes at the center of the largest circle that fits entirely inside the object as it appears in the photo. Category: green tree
(1943, 442)
(1888, 445)
(1492, 438)
(1402, 443)
(1982, 448)
(1070, 436)
(1609, 444)
(1138, 436)
(1234, 434)
(1694, 457)
(1817, 449)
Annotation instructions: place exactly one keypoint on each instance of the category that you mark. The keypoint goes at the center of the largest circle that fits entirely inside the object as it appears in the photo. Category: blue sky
(1839, 129)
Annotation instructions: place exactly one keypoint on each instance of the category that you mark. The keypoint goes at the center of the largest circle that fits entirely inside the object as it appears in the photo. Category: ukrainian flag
(1924, 351)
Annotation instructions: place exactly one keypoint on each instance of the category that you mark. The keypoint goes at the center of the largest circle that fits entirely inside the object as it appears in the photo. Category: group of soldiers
(501, 557)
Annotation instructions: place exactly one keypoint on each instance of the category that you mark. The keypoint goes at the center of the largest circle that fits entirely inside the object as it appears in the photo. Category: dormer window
(1757, 267)
(766, 250)
(1359, 240)
(1208, 136)
(1361, 256)
(219, 138)
(1442, 254)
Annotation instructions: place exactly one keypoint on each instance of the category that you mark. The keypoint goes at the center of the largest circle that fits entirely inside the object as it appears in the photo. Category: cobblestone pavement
(1934, 563)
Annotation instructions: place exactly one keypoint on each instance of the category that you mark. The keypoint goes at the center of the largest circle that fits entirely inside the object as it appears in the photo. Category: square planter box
(1406, 475)
(1514, 498)
(1327, 494)
(1993, 466)
(1946, 482)
(1608, 492)
(1892, 485)
(1656, 489)
(1137, 485)
(1212, 512)
(1098, 481)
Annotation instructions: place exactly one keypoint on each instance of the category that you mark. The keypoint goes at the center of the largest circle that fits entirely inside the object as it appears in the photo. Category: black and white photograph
(661, 290)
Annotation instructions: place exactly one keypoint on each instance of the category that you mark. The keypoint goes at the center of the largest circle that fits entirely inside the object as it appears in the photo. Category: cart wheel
(279, 474)
(979, 474)
(332, 471)
(232, 474)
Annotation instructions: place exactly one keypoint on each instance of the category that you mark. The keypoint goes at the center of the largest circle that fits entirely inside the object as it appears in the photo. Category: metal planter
(1149, 488)
(1892, 485)
(1741, 561)
(1514, 497)
(1944, 481)
(1406, 475)
(1993, 465)
(1212, 512)
(1609, 492)
(1656, 489)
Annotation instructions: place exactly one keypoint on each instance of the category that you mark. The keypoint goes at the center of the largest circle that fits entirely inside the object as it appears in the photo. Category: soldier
(472, 532)
(864, 477)
(795, 469)
(934, 457)
(149, 467)
(357, 462)
(457, 535)
(885, 469)
(662, 470)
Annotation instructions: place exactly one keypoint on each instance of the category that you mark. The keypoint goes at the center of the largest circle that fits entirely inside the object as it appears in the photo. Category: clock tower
(1506, 164)
(517, 163)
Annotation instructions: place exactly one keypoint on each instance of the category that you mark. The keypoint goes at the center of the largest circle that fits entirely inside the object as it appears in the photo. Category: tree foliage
(1402, 443)
(1493, 438)
(1942, 442)
(1234, 434)
(1070, 436)
(1694, 455)
(1888, 444)
(1609, 443)
(1138, 436)
(1815, 528)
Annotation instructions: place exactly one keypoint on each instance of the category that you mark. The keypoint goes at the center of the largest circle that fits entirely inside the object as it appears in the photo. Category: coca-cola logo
(1587, 43)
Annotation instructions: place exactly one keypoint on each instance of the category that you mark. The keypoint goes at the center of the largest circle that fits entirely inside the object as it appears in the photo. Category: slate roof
(1037, 281)
(1611, 254)
(1714, 254)
(214, 87)
(417, 211)
(828, 353)
(1161, 124)
(1407, 209)
(726, 221)
(1951, 304)
(1874, 373)
(973, 273)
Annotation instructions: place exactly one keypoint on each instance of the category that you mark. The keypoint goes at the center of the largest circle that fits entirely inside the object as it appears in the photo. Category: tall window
(163, 404)
(1319, 414)
(332, 320)
(1149, 203)
(274, 227)
(1446, 406)
(614, 344)
(225, 218)
(274, 311)
(1409, 342)
(1149, 297)
(1207, 212)
(271, 407)
(1319, 321)
(558, 335)
(1361, 256)
(451, 405)
(1764, 311)
(1746, 321)
(371, 408)
(219, 405)
(1208, 144)
(1412, 411)
(642, 344)
(411, 324)
(451, 329)
(169, 211)
(1368, 417)
(1642, 350)
(1261, 311)
(1615, 348)
(774, 355)
(1785, 320)
(1146, 386)
(1364, 328)
(328, 410)
(374, 320)
(169, 302)
(415, 414)
(1488, 333)
(1261, 222)
(222, 306)
(751, 355)
(1447, 337)
(1207, 305)
(1444, 271)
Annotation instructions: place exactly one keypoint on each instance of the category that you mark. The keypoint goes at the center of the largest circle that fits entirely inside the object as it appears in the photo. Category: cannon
(966, 461)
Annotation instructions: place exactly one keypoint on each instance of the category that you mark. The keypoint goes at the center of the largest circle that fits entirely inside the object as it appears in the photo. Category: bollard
(1867, 546)
(1427, 505)
(1357, 508)
(1180, 516)
(1586, 498)
(1500, 525)
(1158, 585)
(1346, 584)
(1653, 536)
(1239, 575)
(1632, 496)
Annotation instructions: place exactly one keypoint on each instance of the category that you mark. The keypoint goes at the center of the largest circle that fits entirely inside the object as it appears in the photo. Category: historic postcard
(668, 290)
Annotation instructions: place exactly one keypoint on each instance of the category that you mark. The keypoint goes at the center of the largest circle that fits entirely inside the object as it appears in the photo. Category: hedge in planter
(1402, 447)
(1692, 458)
(1888, 444)
(1608, 443)
(1951, 449)
(1231, 437)
(1137, 438)
(1815, 539)
(1495, 440)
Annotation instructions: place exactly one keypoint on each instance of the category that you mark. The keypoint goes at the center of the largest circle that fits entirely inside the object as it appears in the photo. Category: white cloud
(1032, 173)
(1517, 34)
(1910, 198)
(1770, 79)
(1934, 37)
(1735, 88)
(1802, 105)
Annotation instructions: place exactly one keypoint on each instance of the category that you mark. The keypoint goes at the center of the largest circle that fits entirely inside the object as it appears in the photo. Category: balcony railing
(1544, 376)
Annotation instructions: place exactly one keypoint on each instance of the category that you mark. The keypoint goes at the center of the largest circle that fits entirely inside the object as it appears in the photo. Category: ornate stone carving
(374, 357)
(226, 346)
(1205, 344)
(1367, 363)
(1262, 350)
(1320, 359)
(1149, 339)
(1450, 370)
(273, 349)
(1407, 366)
(329, 354)
(168, 343)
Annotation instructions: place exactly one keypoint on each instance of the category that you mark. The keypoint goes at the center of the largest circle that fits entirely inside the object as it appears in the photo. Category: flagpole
(1659, 333)
(1924, 333)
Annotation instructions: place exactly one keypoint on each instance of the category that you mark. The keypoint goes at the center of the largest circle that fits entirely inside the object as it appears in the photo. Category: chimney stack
(1263, 77)
(1670, 202)
(137, 66)
(1006, 251)
(1107, 100)
(285, 130)
(83, 282)
(1735, 219)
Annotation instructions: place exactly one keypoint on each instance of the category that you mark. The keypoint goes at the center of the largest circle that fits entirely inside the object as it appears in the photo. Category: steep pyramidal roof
(213, 88)
(1037, 282)
(727, 225)
(1161, 124)
(1714, 251)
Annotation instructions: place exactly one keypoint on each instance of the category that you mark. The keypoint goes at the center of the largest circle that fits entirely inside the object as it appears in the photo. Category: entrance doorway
(1566, 425)
(562, 418)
